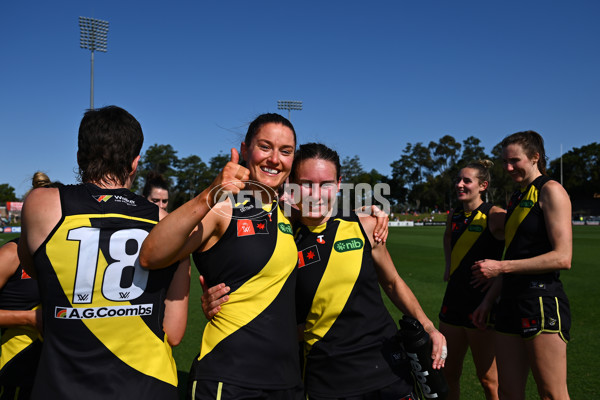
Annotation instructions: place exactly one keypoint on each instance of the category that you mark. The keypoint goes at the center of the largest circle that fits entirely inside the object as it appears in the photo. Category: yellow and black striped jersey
(347, 323)
(103, 312)
(21, 346)
(526, 236)
(252, 342)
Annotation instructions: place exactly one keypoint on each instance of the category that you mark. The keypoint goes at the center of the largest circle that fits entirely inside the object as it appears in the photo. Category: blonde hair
(483, 170)
(39, 180)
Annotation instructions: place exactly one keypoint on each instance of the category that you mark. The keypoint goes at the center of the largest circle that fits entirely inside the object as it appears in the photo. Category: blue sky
(373, 75)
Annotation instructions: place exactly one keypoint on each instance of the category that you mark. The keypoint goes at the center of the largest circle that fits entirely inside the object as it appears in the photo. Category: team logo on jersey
(102, 197)
(285, 228)
(348, 245)
(103, 312)
(320, 239)
(60, 312)
(475, 228)
(249, 227)
(308, 256)
(526, 204)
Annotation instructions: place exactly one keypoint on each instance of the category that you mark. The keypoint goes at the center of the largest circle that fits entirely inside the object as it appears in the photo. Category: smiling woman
(250, 347)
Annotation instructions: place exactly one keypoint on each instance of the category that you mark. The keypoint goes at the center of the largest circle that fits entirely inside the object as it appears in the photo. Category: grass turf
(418, 256)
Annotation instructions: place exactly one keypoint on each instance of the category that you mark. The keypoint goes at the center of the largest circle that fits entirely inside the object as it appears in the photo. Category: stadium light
(93, 34)
(289, 105)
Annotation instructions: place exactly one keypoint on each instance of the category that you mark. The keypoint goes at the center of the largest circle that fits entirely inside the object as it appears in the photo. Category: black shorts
(531, 316)
(213, 390)
(460, 301)
(399, 390)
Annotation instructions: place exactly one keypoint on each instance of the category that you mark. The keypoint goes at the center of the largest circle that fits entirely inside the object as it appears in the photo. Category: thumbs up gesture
(232, 178)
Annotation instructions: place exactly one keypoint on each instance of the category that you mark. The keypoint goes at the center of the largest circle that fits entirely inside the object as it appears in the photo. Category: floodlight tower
(93, 33)
(289, 105)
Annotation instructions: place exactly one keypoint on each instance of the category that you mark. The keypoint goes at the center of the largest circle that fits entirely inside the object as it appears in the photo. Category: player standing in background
(533, 318)
(474, 231)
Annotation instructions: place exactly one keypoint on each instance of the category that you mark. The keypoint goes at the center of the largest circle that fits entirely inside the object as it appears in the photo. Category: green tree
(472, 151)
(192, 176)
(161, 158)
(7, 193)
(216, 165)
(580, 177)
(502, 185)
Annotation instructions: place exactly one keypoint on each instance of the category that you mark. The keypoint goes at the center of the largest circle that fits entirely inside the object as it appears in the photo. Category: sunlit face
(318, 186)
(467, 185)
(160, 197)
(270, 154)
(521, 168)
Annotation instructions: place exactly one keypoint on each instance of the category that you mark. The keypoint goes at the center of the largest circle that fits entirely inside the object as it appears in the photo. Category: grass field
(418, 255)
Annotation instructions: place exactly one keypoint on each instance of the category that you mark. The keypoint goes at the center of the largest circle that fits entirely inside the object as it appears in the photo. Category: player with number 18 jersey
(102, 312)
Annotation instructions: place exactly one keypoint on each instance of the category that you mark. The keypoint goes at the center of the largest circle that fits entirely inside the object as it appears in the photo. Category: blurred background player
(156, 189)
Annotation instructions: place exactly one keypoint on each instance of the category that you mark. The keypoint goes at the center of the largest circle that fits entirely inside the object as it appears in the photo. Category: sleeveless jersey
(21, 346)
(471, 240)
(103, 313)
(526, 237)
(252, 342)
(347, 323)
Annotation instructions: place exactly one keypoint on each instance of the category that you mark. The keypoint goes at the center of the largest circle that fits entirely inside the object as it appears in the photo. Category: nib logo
(102, 197)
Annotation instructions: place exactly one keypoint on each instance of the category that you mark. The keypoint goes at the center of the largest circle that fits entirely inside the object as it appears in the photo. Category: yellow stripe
(254, 296)
(331, 296)
(466, 241)
(219, 391)
(154, 362)
(543, 322)
(518, 215)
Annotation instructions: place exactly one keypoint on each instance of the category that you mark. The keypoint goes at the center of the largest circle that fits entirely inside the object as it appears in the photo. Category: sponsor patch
(320, 239)
(24, 275)
(526, 204)
(348, 245)
(537, 285)
(308, 256)
(475, 228)
(103, 312)
(102, 198)
(249, 227)
(285, 228)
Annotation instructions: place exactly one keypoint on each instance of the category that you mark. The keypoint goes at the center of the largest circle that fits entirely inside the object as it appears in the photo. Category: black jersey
(347, 323)
(526, 237)
(103, 312)
(471, 240)
(21, 346)
(252, 341)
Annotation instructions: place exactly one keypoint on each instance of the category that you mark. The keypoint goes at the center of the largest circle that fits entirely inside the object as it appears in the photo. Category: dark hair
(154, 180)
(109, 140)
(483, 170)
(263, 119)
(319, 151)
(532, 143)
